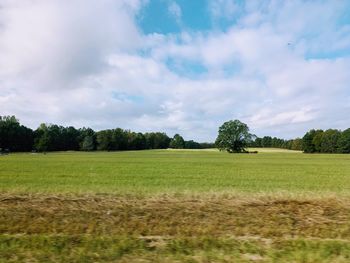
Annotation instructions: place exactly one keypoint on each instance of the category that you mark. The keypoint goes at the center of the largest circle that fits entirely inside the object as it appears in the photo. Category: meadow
(175, 206)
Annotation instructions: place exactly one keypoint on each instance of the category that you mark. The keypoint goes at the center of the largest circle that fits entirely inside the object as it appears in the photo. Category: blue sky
(177, 66)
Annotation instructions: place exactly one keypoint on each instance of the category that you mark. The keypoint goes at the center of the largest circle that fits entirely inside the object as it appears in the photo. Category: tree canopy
(177, 142)
(233, 136)
(51, 137)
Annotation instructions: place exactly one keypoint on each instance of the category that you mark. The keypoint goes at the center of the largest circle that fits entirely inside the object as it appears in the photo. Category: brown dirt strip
(175, 216)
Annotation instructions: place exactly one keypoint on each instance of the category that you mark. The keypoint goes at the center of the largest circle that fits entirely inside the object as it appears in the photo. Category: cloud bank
(281, 67)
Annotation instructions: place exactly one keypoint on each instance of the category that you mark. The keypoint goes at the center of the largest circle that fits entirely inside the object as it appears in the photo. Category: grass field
(175, 206)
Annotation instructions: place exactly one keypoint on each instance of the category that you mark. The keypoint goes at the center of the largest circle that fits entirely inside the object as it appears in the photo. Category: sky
(177, 66)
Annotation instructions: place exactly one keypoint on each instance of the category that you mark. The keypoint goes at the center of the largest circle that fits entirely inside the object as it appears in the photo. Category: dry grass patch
(172, 216)
(36, 228)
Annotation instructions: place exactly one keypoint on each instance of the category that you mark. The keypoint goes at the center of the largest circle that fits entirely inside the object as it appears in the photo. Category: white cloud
(87, 63)
(223, 9)
(55, 42)
(175, 10)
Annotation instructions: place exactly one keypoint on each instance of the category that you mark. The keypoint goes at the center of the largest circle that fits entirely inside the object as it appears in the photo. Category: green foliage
(157, 140)
(177, 142)
(329, 142)
(13, 136)
(192, 145)
(317, 140)
(233, 136)
(266, 141)
(56, 138)
(49, 137)
(104, 140)
(88, 144)
(344, 142)
(136, 141)
(296, 144)
(308, 143)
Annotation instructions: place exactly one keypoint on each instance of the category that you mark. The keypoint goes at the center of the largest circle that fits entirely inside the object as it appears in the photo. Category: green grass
(175, 206)
(166, 171)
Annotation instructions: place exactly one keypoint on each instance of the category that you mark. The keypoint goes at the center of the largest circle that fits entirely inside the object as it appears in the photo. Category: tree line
(50, 137)
(274, 142)
(234, 137)
(314, 141)
(329, 141)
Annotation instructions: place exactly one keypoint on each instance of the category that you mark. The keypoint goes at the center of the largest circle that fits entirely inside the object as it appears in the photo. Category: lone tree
(233, 137)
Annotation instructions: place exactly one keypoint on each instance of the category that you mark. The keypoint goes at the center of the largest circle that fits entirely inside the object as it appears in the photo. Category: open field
(175, 206)
(164, 171)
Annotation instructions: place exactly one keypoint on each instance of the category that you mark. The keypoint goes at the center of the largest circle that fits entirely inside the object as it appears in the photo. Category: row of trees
(18, 138)
(329, 141)
(274, 142)
(314, 141)
(234, 136)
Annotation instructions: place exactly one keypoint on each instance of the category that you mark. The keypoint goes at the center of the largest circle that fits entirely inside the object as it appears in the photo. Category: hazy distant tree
(297, 144)
(192, 145)
(266, 141)
(257, 142)
(233, 136)
(88, 144)
(86, 132)
(177, 142)
(207, 145)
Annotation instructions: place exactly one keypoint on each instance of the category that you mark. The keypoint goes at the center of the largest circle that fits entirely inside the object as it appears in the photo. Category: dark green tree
(177, 142)
(317, 140)
(308, 145)
(136, 141)
(344, 142)
(257, 142)
(192, 145)
(157, 140)
(266, 141)
(13, 136)
(104, 140)
(233, 137)
(329, 142)
(119, 139)
(86, 132)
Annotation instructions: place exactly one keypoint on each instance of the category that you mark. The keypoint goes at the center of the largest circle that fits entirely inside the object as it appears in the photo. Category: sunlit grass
(169, 171)
(175, 206)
